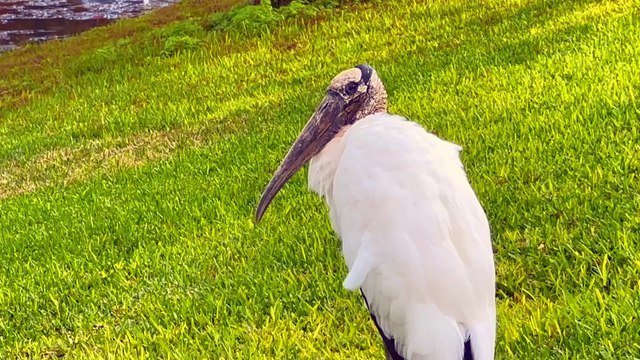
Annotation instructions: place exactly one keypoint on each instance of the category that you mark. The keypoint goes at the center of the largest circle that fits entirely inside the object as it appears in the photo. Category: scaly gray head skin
(352, 95)
(361, 90)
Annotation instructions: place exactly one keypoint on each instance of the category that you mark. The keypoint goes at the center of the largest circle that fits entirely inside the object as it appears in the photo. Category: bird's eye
(351, 88)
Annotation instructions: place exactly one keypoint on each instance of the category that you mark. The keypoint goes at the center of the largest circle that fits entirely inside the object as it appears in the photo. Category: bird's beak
(320, 129)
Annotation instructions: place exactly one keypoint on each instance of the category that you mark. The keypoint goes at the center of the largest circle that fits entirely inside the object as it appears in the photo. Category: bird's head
(358, 92)
(352, 95)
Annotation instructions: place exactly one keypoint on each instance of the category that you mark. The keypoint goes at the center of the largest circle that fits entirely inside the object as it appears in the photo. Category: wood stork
(414, 235)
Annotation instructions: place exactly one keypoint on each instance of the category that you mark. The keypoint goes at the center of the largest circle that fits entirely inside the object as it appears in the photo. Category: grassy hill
(132, 158)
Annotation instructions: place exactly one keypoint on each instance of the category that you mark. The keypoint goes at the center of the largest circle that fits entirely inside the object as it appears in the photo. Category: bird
(415, 238)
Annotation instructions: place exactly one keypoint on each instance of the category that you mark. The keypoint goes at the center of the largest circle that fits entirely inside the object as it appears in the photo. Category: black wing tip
(468, 354)
(389, 343)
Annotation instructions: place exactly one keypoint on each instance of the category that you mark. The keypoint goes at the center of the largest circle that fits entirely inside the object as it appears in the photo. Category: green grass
(132, 158)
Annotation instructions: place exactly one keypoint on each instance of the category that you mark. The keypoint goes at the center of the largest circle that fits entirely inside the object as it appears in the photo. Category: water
(22, 21)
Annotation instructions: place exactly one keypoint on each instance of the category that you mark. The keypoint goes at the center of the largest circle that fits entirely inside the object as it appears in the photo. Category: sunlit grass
(130, 172)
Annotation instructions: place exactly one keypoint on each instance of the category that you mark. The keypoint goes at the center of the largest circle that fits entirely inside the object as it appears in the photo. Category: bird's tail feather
(432, 335)
(482, 337)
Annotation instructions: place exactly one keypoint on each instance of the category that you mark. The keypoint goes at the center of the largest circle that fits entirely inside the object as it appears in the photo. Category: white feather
(414, 236)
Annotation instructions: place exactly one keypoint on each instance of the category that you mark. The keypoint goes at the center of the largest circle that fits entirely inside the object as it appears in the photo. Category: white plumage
(414, 235)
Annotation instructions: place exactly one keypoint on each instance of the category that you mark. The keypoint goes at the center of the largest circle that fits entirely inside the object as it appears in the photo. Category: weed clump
(255, 20)
(181, 37)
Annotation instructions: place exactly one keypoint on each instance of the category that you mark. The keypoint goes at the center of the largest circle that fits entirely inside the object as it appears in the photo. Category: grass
(132, 158)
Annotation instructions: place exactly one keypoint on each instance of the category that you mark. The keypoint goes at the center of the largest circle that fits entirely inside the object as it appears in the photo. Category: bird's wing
(415, 238)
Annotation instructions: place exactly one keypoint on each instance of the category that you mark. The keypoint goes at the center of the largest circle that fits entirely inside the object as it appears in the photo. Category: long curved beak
(320, 129)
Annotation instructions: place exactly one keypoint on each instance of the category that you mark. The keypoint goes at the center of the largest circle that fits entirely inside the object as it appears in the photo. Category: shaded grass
(162, 259)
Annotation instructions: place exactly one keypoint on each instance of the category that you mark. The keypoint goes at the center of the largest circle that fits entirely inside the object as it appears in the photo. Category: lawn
(132, 158)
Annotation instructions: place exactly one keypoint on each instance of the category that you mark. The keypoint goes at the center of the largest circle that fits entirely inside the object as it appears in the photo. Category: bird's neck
(377, 104)
(322, 167)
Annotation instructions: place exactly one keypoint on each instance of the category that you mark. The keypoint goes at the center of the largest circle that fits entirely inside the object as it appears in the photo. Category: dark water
(22, 21)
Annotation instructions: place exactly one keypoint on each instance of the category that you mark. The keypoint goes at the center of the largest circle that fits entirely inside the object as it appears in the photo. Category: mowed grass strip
(162, 259)
(61, 167)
